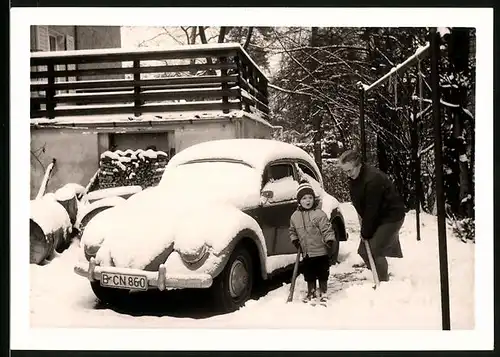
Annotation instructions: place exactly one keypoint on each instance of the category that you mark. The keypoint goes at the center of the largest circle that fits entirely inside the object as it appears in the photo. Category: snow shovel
(372, 264)
(294, 275)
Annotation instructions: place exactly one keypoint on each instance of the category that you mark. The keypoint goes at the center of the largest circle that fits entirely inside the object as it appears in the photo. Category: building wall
(189, 135)
(63, 30)
(90, 37)
(75, 153)
(78, 38)
(254, 130)
(163, 141)
(86, 37)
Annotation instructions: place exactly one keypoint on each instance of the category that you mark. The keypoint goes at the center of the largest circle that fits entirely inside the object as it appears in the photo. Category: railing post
(225, 87)
(137, 88)
(239, 78)
(263, 87)
(245, 76)
(50, 92)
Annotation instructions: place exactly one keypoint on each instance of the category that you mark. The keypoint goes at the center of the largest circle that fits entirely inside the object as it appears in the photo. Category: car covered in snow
(218, 219)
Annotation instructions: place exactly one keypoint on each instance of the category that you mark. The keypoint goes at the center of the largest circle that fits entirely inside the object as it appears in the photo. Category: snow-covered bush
(465, 229)
(335, 181)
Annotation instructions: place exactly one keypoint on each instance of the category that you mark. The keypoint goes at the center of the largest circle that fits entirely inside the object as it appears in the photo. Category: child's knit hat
(304, 188)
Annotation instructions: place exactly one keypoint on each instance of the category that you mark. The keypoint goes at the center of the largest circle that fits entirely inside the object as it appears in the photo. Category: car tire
(333, 254)
(233, 286)
(109, 296)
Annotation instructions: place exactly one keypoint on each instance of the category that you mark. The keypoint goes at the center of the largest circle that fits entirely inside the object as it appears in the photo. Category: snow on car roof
(256, 152)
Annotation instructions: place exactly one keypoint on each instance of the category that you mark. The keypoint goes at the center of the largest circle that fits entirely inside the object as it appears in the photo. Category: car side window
(311, 177)
(308, 171)
(279, 178)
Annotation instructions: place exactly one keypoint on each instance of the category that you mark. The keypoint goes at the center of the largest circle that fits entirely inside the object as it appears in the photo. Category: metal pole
(443, 259)
(362, 123)
(415, 160)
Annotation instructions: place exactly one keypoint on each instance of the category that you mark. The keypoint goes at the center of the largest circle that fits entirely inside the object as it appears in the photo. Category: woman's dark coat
(376, 200)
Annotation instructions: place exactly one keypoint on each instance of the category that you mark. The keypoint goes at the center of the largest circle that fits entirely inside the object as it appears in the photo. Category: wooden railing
(189, 78)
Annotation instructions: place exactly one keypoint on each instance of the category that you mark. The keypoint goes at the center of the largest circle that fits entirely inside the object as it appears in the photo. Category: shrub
(465, 229)
(335, 181)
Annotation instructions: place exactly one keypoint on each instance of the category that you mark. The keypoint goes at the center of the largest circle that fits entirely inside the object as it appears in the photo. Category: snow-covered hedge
(335, 181)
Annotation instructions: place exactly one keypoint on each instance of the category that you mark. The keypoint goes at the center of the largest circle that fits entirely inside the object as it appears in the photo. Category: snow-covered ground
(411, 300)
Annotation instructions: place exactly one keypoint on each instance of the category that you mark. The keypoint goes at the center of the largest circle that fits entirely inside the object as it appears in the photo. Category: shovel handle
(372, 263)
(294, 275)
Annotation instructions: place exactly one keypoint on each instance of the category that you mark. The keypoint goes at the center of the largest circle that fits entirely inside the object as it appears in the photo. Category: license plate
(124, 281)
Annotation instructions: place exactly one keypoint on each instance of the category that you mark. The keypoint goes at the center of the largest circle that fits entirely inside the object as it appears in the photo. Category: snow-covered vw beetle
(218, 219)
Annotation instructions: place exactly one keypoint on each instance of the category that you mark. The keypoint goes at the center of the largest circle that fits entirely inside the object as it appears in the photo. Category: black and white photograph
(276, 173)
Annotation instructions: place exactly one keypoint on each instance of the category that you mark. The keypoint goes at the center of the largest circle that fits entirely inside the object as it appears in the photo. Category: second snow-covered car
(218, 219)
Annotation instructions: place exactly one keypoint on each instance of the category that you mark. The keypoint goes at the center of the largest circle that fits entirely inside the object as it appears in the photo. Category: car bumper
(156, 279)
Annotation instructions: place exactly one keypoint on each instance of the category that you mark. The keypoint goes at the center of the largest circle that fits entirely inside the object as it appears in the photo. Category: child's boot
(311, 291)
(323, 287)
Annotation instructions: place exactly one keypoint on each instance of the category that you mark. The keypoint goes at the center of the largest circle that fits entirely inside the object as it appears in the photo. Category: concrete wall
(254, 130)
(76, 155)
(192, 134)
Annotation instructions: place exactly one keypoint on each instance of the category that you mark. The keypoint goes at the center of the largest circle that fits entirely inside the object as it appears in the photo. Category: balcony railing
(219, 77)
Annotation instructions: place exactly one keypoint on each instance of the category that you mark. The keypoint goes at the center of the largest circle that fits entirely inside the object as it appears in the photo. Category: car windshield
(229, 181)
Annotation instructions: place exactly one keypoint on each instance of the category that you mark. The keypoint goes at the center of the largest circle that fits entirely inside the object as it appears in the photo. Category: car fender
(245, 236)
(331, 206)
(92, 209)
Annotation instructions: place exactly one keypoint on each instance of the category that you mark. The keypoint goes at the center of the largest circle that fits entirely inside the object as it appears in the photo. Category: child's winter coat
(313, 229)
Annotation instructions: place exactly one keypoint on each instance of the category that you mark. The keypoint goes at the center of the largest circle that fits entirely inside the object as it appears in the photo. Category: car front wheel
(333, 253)
(233, 286)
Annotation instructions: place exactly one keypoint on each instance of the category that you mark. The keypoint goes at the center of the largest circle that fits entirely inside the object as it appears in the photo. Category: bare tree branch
(38, 160)
(186, 32)
(273, 86)
(143, 42)
(167, 31)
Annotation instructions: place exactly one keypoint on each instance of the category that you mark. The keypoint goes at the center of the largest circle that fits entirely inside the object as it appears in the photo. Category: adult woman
(380, 208)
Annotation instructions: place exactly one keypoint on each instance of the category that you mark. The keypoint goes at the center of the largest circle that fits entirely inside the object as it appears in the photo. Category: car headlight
(90, 251)
(196, 256)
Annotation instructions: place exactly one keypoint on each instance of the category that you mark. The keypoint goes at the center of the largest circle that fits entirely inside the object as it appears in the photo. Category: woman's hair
(350, 156)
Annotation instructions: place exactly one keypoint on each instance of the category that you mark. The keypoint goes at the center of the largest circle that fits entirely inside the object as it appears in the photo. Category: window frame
(318, 177)
(277, 162)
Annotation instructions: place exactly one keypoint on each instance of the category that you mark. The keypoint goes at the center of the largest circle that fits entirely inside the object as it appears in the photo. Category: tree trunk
(314, 108)
(222, 34)
(458, 55)
(192, 41)
(248, 38)
(203, 38)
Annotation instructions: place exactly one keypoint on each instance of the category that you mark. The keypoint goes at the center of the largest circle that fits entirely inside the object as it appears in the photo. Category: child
(311, 230)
